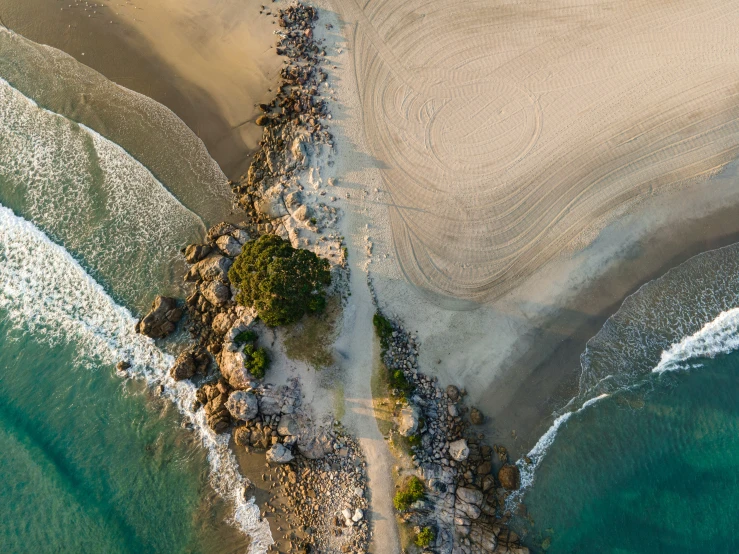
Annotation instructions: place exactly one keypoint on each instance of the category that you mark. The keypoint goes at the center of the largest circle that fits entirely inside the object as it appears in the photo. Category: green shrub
(412, 492)
(425, 537)
(414, 440)
(283, 283)
(245, 336)
(383, 328)
(257, 361)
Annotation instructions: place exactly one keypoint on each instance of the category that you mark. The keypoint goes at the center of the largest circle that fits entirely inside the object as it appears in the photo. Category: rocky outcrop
(464, 501)
(196, 252)
(162, 318)
(191, 361)
(214, 397)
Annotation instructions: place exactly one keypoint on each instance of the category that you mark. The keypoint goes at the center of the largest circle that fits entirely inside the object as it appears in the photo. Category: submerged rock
(476, 417)
(509, 477)
(162, 318)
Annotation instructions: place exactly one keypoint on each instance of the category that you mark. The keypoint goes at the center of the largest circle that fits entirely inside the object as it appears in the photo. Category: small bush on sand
(425, 537)
(412, 492)
(383, 328)
(245, 336)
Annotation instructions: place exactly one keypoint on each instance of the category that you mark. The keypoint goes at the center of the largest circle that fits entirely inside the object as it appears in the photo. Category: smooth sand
(209, 61)
(516, 172)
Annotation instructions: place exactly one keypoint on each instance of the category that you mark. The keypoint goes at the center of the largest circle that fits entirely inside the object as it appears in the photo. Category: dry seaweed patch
(310, 340)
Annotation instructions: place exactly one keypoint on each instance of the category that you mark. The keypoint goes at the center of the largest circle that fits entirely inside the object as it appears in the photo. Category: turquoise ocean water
(90, 461)
(646, 458)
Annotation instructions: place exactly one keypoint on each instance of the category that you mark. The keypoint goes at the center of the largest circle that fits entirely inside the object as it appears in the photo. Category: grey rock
(287, 426)
(213, 267)
(241, 236)
(459, 450)
(408, 420)
(279, 454)
(270, 405)
(470, 496)
(242, 405)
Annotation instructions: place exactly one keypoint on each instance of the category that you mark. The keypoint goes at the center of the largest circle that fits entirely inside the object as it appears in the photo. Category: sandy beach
(514, 187)
(209, 62)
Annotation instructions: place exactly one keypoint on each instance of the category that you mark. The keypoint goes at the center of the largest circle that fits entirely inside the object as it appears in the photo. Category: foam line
(44, 291)
(716, 337)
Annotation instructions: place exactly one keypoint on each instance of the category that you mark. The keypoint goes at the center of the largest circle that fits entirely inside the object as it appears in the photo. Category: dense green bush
(425, 537)
(245, 336)
(283, 283)
(383, 328)
(257, 360)
(412, 492)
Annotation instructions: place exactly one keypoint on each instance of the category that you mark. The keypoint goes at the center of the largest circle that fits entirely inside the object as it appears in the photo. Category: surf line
(44, 290)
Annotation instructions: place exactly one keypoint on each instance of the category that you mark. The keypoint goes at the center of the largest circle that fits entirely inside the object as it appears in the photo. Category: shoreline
(545, 385)
(164, 51)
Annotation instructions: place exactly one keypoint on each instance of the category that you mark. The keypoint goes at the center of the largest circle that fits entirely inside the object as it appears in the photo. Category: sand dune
(509, 133)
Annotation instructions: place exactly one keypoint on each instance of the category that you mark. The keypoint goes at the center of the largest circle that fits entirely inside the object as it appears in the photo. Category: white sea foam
(88, 193)
(719, 336)
(536, 454)
(44, 291)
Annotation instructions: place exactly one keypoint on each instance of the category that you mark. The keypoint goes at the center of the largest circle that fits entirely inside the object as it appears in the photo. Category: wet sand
(209, 62)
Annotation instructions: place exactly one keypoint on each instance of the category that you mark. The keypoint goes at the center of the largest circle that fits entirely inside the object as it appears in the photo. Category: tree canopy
(283, 283)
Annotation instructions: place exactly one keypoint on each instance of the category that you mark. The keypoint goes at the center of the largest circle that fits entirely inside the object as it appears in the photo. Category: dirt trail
(355, 347)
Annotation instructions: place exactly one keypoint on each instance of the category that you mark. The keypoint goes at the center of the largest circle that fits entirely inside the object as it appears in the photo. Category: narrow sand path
(356, 348)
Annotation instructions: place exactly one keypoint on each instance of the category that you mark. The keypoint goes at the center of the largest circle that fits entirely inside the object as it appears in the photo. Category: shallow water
(650, 466)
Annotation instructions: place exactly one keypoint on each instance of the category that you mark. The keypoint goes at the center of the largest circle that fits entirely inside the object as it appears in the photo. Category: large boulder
(162, 318)
(229, 246)
(469, 495)
(196, 252)
(241, 435)
(216, 293)
(218, 230)
(453, 393)
(242, 405)
(278, 454)
(408, 420)
(214, 267)
(241, 236)
(222, 323)
(459, 450)
(509, 477)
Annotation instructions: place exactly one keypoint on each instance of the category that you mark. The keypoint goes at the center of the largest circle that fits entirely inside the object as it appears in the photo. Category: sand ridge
(508, 131)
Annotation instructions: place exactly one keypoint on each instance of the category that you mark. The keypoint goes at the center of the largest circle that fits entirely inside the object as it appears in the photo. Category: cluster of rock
(328, 498)
(467, 481)
(211, 306)
(283, 192)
